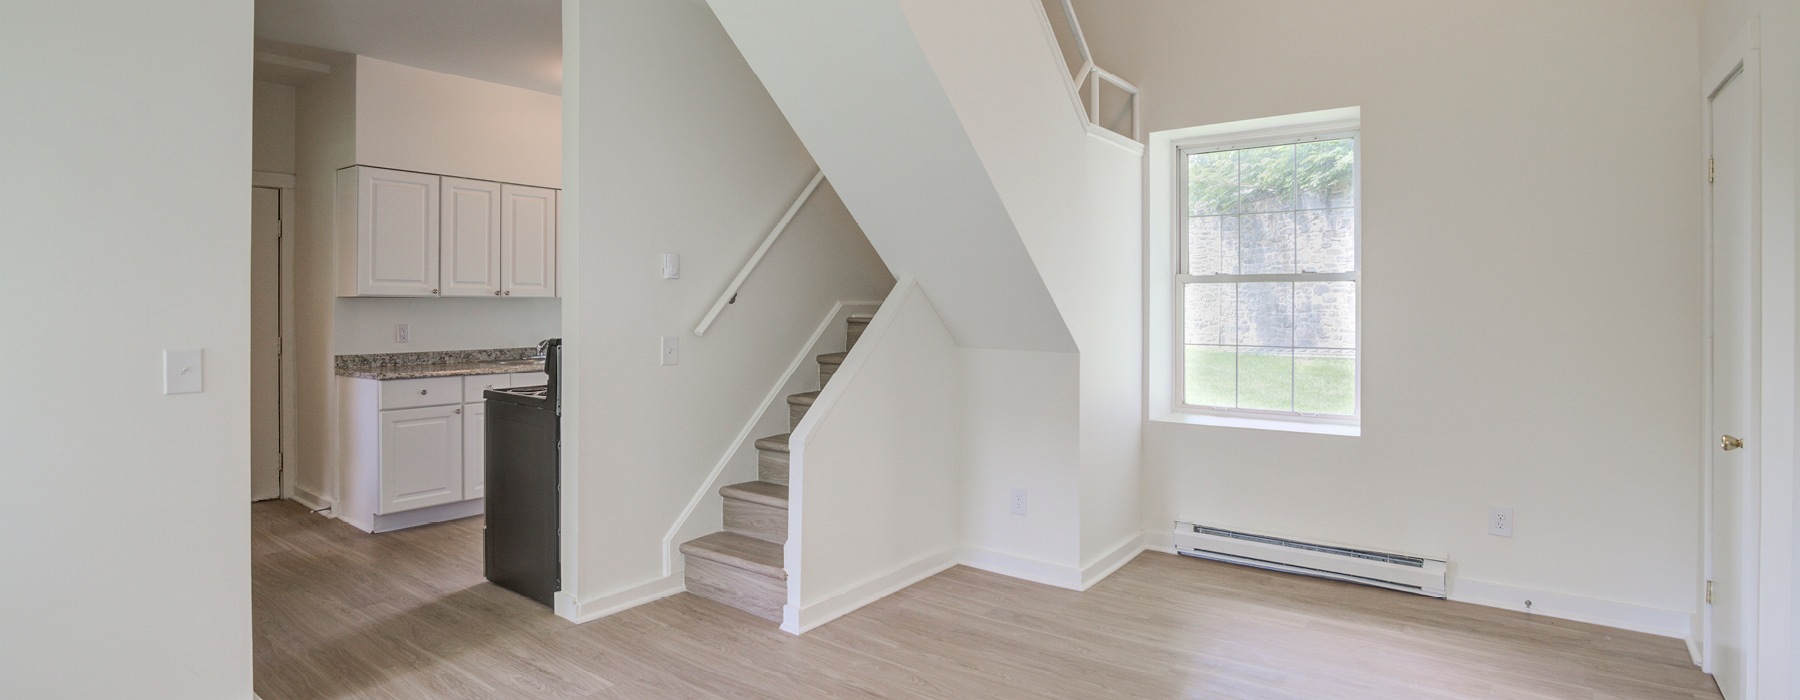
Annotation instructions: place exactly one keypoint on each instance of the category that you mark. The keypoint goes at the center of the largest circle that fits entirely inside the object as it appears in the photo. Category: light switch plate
(671, 266)
(671, 350)
(183, 372)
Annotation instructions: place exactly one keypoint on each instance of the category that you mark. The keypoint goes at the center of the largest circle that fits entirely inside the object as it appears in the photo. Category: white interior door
(1732, 565)
(265, 343)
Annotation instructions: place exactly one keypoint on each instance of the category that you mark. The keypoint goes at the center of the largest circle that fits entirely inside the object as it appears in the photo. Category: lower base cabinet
(413, 450)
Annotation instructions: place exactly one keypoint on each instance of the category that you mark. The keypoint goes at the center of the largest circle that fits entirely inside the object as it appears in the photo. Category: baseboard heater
(1399, 572)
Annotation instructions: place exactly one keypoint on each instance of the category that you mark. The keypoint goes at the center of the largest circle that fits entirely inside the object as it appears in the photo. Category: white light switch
(671, 350)
(671, 266)
(182, 372)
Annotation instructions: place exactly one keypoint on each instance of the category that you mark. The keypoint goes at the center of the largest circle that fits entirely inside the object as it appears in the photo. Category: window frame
(1181, 276)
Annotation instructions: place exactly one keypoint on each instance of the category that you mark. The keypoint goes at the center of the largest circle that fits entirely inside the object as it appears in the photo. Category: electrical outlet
(671, 350)
(402, 333)
(1500, 521)
(1018, 501)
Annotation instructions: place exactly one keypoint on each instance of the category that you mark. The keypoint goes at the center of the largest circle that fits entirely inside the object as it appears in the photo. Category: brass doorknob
(1729, 443)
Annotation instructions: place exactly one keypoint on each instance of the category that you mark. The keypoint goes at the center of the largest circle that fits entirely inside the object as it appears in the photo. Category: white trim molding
(799, 620)
(593, 608)
(1677, 624)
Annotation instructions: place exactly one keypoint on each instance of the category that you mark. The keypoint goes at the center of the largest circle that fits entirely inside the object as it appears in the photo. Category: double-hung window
(1268, 278)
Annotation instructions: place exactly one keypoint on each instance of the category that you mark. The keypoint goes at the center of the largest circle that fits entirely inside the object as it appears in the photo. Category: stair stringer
(873, 473)
(704, 513)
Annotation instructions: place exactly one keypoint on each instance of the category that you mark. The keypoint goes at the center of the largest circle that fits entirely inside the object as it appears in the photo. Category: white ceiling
(514, 42)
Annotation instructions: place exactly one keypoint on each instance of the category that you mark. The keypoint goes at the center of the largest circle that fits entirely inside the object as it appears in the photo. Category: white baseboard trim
(588, 610)
(1693, 646)
(312, 501)
(1118, 556)
(1159, 541)
(802, 619)
(1626, 616)
(1033, 570)
(426, 516)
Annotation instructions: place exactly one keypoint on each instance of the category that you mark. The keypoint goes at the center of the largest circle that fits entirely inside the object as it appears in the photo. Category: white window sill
(1289, 426)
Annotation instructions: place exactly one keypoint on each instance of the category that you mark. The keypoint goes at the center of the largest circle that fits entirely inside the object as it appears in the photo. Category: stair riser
(795, 413)
(763, 522)
(854, 333)
(747, 591)
(825, 372)
(772, 466)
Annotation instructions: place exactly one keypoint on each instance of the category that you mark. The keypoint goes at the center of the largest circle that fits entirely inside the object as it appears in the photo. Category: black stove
(524, 452)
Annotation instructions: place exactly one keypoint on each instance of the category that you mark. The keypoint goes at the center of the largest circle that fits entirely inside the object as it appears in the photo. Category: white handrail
(730, 294)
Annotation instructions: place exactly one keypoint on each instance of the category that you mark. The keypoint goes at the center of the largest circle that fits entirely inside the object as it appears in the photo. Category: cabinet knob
(459, 411)
(496, 292)
(509, 292)
(434, 291)
(423, 392)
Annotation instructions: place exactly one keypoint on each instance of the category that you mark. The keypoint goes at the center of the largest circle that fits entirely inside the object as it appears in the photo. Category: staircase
(742, 566)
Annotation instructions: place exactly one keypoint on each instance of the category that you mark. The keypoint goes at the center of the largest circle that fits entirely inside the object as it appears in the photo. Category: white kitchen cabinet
(421, 457)
(405, 234)
(414, 451)
(388, 229)
(469, 260)
(528, 235)
(474, 449)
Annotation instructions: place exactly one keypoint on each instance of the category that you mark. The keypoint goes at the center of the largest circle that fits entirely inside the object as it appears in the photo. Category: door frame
(289, 365)
(1740, 61)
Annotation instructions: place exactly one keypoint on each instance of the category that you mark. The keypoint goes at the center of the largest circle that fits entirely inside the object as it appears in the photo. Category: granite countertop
(448, 363)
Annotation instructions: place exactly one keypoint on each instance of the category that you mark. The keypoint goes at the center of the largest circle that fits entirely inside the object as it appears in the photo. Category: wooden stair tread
(832, 358)
(741, 551)
(774, 443)
(805, 399)
(764, 492)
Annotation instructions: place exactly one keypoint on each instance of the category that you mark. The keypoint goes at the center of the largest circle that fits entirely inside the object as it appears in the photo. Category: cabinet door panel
(528, 237)
(474, 449)
(470, 255)
(397, 233)
(421, 457)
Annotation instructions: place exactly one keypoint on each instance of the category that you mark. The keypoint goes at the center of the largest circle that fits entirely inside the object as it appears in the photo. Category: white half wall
(1531, 300)
(127, 154)
(874, 472)
(700, 163)
(413, 119)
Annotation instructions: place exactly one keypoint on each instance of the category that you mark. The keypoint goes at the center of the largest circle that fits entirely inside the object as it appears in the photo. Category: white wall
(366, 325)
(325, 140)
(1531, 305)
(1075, 199)
(854, 81)
(874, 472)
(272, 142)
(414, 119)
(127, 233)
(1775, 26)
(1023, 431)
(673, 174)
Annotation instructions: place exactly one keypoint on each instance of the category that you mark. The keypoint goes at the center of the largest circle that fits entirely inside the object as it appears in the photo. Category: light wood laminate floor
(343, 614)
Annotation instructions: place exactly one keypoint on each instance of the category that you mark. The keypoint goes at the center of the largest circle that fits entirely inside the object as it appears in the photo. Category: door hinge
(280, 346)
(1709, 592)
(1711, 168)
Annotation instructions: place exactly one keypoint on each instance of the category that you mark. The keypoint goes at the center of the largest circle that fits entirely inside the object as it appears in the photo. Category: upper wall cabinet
(470, 263)
(392, 219)
(404, 234)
(528, 229)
